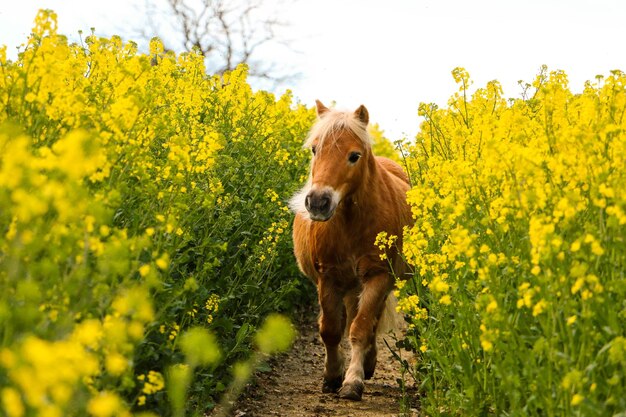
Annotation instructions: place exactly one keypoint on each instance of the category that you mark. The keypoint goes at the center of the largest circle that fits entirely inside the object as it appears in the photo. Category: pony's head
(341, 150)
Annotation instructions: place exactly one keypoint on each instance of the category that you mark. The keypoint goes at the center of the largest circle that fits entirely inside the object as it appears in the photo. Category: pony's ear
(362, 114)
(321, 109)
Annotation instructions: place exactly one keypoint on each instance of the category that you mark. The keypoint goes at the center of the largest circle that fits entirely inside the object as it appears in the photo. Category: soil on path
(293, 385)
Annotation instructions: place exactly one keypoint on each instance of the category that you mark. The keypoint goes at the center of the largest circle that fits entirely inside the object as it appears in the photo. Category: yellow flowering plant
(139, 198)
(518, 249)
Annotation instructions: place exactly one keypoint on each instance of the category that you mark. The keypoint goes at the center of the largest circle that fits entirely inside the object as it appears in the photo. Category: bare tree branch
(226, 32)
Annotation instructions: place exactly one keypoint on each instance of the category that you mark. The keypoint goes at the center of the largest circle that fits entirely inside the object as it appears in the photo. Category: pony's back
(393, 168)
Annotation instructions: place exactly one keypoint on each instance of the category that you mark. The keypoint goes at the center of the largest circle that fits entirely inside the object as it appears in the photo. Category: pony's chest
(348, 268)
(342, 252)
(337, 264)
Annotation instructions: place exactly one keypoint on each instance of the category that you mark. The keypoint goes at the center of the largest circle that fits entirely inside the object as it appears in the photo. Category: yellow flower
(12, 403)
(539, 307)
(116, 363)
(439, 285)
(154, 383)
(7, 358)
(105, 404)
(486, 345)
(492, 306)
(163, 262)
(446, 300)
(576, 399)
(596, 249)
(89, 333)
(144, 270)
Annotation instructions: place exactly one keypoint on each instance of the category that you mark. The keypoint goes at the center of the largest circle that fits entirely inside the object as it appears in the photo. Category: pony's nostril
(324, 203)
(307, 202)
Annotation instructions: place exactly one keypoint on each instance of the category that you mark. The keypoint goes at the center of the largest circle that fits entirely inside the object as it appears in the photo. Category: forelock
(333, 122)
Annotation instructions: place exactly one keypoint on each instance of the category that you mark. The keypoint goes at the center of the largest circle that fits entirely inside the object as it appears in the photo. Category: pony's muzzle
(320, 204)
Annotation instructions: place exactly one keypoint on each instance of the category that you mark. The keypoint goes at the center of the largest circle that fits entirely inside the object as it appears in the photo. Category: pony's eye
(313, 149)
(354, 156)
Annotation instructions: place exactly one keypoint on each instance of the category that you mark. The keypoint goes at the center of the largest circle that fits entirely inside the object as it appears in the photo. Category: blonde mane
(332, 122)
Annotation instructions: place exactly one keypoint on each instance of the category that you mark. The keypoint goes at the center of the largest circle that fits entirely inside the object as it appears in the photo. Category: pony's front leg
(332, 323)
(363, 335)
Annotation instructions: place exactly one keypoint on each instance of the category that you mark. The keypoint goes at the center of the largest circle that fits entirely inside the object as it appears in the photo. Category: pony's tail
(390, 319)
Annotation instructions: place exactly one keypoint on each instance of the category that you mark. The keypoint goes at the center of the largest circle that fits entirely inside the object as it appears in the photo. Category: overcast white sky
(393, 54)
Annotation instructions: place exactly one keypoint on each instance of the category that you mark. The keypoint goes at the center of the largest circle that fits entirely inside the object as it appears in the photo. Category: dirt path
(293, 385)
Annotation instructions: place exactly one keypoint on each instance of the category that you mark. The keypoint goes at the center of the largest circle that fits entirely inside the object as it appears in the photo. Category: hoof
(331, 385)
(352, 391)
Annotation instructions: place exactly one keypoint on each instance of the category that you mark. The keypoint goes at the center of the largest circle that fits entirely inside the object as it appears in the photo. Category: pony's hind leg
(369, 364)
(332, 322)
(381, 324)
(363, 336)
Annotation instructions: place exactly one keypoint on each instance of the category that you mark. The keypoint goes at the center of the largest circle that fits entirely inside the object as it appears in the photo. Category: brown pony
(350, 197)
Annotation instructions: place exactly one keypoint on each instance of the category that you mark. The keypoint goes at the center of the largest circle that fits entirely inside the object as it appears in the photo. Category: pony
(350, 197)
